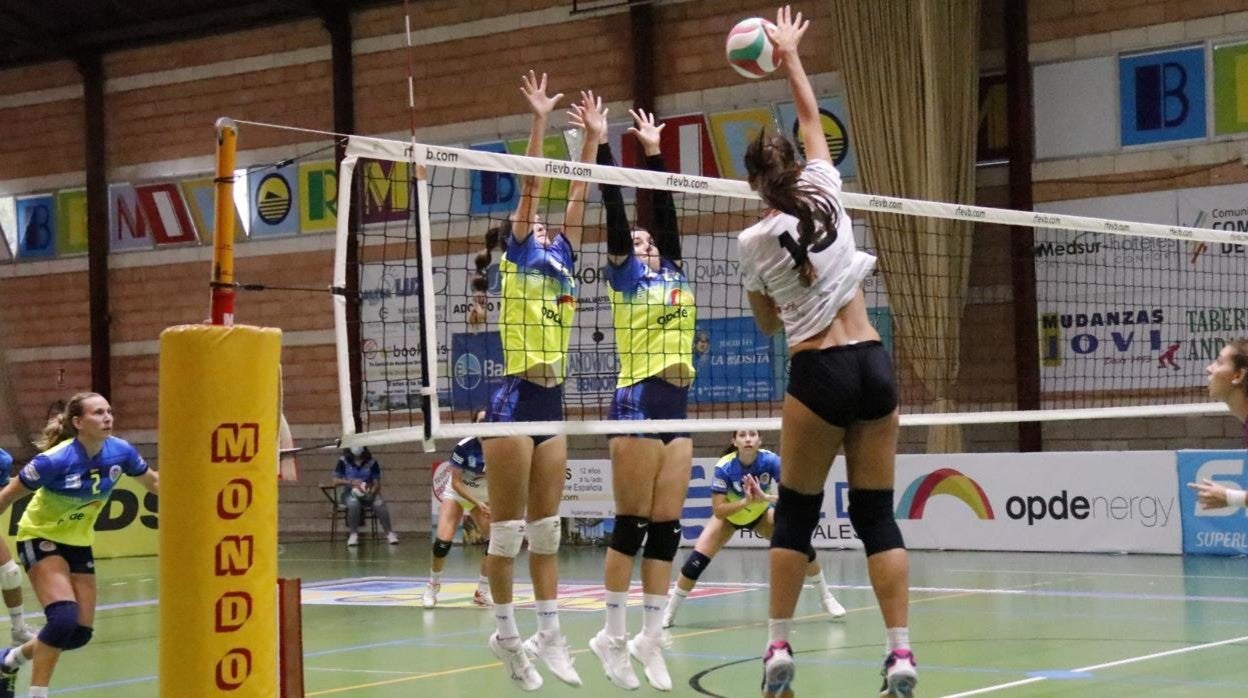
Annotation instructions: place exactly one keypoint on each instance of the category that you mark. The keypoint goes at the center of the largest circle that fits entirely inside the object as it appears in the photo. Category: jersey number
(800, 254)
(95, 482)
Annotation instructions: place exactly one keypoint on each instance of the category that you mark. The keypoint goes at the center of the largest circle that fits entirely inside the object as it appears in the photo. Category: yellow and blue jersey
(469, 457)
(72, 488)
(729, 480)
(654, 316)
(539, 301)
(367, 472)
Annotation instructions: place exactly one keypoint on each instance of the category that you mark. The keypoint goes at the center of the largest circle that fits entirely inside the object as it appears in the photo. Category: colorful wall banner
(1162, 96)
(1073, 101)
(731, 132)
(71, 222)
(166, 213)
(835, 129)
(127, 526)
(554, 192)
(386, 191)
(318, 196)
(127, 224)
(493, 192)
(1230, 88)
(36, 226)
(274, 201)
(201, 196)
(8, 227)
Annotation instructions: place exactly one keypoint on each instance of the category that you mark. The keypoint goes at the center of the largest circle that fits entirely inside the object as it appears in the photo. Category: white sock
(675, 599)
(652, 614)
(821, 584)
(778, 629)
(548, 616)
(16, 659)
(505, 616)
(898, 639)
(435, 577)
(483, 583)
(38, 692)
(17, 618)
(617, 608)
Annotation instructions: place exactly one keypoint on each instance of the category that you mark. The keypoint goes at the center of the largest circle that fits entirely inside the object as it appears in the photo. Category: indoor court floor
(1008, 624)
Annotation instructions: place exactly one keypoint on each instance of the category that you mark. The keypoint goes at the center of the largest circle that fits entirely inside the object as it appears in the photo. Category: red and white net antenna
(411, 69)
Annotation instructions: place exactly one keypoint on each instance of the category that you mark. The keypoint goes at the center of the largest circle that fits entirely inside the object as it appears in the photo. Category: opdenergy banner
(1051, 502)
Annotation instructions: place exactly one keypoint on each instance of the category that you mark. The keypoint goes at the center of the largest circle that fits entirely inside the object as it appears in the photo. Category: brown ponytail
(61, 426)
(772, 167)
(480, 281)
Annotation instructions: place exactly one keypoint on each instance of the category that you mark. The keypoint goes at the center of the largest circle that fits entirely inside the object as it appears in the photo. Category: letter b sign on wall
(1162, 96)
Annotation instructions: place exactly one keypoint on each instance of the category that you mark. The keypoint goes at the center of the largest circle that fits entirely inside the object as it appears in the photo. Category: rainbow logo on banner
(944, 481)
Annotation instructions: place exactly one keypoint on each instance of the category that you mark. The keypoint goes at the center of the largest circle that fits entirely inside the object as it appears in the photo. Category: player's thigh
(50, 579)
(546, 478)
(85, 592)
(635, 466)
(766, 524)
(507, 478)
(808, 444)
(714, 537)
(672, 485)
(449, 515)
(871, 452)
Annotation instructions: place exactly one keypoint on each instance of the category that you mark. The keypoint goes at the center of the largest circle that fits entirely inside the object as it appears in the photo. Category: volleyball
(360, 491)
(749, 50)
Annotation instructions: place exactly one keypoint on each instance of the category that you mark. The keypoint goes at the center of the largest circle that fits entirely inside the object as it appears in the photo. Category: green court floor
(981, 624)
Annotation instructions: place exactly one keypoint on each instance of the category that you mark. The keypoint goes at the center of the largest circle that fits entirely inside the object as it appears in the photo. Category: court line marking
(1097, 667)
(1107, 574)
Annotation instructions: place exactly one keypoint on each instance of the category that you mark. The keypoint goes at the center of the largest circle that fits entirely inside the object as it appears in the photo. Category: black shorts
(519, 400)
(79, 557)
(845, 384)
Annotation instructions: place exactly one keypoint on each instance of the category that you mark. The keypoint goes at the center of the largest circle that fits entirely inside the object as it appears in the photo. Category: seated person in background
(359, 475)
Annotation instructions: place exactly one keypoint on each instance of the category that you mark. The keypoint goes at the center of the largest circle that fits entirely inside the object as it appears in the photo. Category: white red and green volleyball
(749, 50)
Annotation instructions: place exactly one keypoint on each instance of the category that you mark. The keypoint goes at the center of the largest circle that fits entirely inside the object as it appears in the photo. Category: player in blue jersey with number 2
(72, 479)
(742, 492)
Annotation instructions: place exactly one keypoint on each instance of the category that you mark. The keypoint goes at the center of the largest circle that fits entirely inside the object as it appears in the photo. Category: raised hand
(1210, 494)
(589, 115)
(646, 130)
(534, 91)
(787, 33)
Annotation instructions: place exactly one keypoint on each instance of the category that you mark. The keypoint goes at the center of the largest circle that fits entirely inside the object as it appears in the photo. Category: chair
(338, 512)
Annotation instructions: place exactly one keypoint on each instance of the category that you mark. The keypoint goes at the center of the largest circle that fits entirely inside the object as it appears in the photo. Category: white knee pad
(506, 538)
(544, 535)
(10, 576)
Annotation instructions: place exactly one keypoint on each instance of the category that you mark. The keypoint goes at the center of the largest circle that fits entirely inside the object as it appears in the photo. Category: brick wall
(161, 102)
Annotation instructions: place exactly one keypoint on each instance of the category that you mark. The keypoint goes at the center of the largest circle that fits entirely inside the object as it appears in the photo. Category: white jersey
(767, 267)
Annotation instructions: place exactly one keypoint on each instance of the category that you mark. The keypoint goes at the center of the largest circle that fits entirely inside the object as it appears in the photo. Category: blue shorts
(519, 400)
(652, 398)
(79, 558)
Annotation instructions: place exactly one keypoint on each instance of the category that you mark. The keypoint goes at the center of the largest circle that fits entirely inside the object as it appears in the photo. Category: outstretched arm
(591, 116)
(534, 91)
(619, 232)
(784, 38)
(663, 226)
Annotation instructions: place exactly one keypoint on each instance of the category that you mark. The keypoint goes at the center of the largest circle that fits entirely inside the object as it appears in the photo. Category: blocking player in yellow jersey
(742, 494)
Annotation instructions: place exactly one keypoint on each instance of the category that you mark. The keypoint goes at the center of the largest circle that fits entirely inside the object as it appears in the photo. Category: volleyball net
(1127, 315)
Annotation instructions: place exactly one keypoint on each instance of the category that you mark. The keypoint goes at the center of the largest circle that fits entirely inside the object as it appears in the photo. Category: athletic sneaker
(353, 540)
(778, 671)
(430, 598)
(481, 599)
(669, 611)
(553, 651)
(613, 653)
(649, 651)
(830, 605)
(22, 634)
(515, 661)
(392, 538)
(900, 674)
(8, 677)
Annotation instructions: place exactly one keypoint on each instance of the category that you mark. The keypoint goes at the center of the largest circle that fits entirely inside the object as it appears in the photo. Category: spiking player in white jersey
(802, 273)
(465, 492)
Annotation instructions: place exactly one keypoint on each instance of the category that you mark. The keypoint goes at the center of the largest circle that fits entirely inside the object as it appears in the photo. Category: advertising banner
(1221, 531)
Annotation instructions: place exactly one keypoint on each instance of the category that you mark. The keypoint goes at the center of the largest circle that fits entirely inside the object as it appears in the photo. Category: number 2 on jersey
(95, 481)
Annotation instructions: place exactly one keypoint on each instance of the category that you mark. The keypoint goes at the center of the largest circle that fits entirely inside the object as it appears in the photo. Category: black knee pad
(441, 548)
(810, 554)
(662, 540)
(871, 513)
(797, 515)
(61, 626)
(695, 565)
(82, 635)
(629, 534)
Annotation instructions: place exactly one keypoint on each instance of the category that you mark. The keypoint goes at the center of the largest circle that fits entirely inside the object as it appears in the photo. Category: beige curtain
(911, 68)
